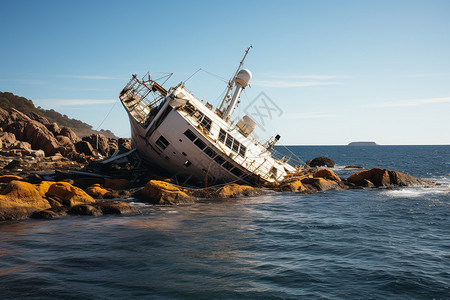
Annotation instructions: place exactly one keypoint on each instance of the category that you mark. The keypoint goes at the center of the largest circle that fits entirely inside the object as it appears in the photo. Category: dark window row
(162, 143)
(203, 120)
(232, 143)
(211, 153)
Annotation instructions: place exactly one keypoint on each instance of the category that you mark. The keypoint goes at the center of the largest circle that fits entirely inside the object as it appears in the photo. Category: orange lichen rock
(69, 194)
(9, 178)
(97, 191)
(117, 184)
(291, 186)
(327, 174)
(161, 192)
(321, 184)
(43, 187)
(19, 199)
(234, 190)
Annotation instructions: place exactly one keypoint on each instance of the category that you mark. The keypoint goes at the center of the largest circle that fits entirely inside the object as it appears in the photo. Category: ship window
(206, 123)
(219, 159)
(229, 141)
(236, 146)
(210, 152)
(274, 171)
(237, 172)
(242, 150)
(189, 108)
(198, 115)
(187, 163)
(222, 135)
(190, 135)
(227, 165)
(199, 143)
(162, 143)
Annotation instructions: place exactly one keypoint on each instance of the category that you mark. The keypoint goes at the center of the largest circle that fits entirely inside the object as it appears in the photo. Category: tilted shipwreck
(195, 142)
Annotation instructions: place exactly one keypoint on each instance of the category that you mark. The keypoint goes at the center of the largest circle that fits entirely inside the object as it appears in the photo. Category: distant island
(362, 144)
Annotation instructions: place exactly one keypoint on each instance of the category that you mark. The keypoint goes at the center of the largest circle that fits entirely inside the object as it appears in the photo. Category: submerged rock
(116, 207)
(84, 210)
(321, 162)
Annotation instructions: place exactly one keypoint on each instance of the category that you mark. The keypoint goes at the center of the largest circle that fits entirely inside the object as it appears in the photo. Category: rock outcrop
(385, 178)
(161, 192)
(19, 199)
(69, 194)
(321, 162)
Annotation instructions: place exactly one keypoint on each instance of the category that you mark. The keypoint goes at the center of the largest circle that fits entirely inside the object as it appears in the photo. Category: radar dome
(243, 77)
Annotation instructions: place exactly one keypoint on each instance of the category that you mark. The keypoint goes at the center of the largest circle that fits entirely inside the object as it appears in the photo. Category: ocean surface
(354, 244)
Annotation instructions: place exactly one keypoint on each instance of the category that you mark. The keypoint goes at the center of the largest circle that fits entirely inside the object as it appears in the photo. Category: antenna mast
(227, 98)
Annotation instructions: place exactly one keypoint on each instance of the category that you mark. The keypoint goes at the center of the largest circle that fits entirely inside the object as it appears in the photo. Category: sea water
(354, 244)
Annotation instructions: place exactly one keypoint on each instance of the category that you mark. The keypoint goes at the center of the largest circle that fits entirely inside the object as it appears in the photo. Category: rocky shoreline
(48, 172)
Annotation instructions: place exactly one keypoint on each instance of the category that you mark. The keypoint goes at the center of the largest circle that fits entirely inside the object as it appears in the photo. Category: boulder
(85, 148)
(54, 128)
(327, 174)
(66, 131)
(97, 191)
(5, 118)
(19, 199)
(321, 162)
(69, 194)
(7, 139)
(116, 207)
(113, 146)
(321, 184)
(16, 116)
(48, 214)
(21, 145)
(234, 190)
(99, 142)
(291, 186)
(39, 118)
(36, 134)
(84, 210)
(160, 192)
(43, 187)
(124, 145)
(385, 177)
(67, 148)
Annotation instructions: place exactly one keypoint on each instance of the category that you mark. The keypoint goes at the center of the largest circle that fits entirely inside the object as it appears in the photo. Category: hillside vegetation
(9, 100)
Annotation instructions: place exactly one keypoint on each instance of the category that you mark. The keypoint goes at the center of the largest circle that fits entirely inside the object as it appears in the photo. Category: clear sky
(339, 71)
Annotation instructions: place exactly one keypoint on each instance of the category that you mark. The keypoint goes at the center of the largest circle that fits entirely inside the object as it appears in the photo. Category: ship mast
(226, 100)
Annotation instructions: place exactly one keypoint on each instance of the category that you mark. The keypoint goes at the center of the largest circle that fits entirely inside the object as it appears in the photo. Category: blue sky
(339, 71)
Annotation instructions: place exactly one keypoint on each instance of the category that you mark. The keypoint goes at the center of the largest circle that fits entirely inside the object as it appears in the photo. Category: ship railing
(140, 98)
